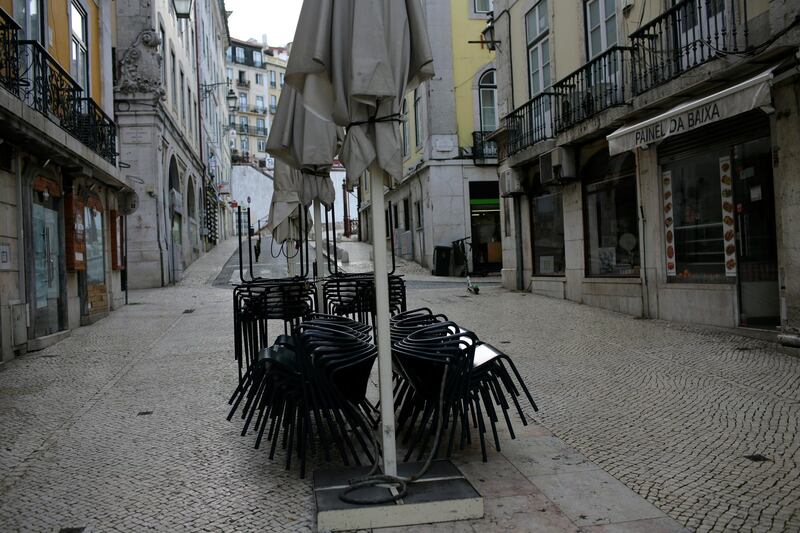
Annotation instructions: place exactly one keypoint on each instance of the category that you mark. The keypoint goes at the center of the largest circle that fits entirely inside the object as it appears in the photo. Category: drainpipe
(642, 241)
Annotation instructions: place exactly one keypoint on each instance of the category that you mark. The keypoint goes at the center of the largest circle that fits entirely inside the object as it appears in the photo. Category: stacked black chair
(353, 296)
(311, 386)
(424, 342)
(254, 304)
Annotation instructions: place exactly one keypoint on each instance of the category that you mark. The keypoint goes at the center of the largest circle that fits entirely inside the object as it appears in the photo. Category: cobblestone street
(121, 427)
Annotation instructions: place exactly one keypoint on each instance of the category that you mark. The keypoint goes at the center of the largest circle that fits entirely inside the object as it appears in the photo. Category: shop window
(695, 198)
(95, 261)
(547, 228)
(610, 208)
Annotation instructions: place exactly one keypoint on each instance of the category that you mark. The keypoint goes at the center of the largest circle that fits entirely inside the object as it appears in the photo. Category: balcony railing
(261, 131)
(688, 34)
(259, 109)
(243, 83)
(595, 87)
(9, 53)
(242, 128)
(529, 124)
(273, 108)
(482, 148)
(49, 89)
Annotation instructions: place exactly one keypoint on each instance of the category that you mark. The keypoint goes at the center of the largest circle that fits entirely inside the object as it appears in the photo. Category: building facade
(449, 190)
(158, 103)
(647, 153)
(256, 71)
(62, 196)
(211, 26)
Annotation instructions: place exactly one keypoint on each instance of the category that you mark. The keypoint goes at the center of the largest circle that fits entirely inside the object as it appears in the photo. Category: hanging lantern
(183, 8)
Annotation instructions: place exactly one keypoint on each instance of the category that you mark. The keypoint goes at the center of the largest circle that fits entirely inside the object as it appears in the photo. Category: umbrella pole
(289, 257)
(318, 248)
(382, 322)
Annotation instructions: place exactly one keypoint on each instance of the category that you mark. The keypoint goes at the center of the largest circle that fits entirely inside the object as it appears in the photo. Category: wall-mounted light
(487, 35)
(183, 8)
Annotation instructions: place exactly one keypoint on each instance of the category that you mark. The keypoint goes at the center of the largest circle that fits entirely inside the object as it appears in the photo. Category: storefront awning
(727, 103)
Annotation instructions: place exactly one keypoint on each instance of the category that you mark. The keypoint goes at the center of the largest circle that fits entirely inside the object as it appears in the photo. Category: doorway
(484, 208)
(753, 192)
(47, 265)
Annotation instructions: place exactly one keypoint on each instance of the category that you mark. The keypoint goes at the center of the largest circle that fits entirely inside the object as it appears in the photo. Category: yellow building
(62, 197)
(449, 190)
(646, 154)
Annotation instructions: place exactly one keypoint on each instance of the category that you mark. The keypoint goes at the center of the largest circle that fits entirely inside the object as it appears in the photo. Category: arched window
(487, 99)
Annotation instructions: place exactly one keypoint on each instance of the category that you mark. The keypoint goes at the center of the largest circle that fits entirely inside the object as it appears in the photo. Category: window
(79, 57)
(487, 93)
(174, 80)
(536, 29)
(404, 128)
(245, 144)
(183, 97)
(259, 79)
(262, 145)
(260, 127)
(243, 124)
(95, 260)
(272, 78)
(259, 104)
(228, 54)
(406, 214)
(418, 209)
(283, 79)
(243, 101)
(694, 234)
(242, 77)
(482, 6)
(239, 54)
(395, 218)
(612, 222)
(601, 26)
(273, 103)
(257, 59)
(417, 120)
(163, 37)
(547, 228)
(229, 74)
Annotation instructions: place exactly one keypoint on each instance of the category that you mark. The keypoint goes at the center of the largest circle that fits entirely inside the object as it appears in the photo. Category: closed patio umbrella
(283, 221)
(353, 61)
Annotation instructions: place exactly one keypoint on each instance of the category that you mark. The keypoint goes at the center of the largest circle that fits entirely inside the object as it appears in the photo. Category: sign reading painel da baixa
(685, 121)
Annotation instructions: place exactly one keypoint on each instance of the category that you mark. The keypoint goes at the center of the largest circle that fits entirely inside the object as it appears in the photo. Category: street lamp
(487, 35)
(230, 98)
(183, 8)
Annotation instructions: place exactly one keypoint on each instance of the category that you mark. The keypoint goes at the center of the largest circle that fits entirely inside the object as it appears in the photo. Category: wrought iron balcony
(481, 147)
(259, 109)
(9, 53)
(529, 124)
(595, 87)
(243, 83)
(242, 128)
(261, 131)
(690, 33)
(49, 89)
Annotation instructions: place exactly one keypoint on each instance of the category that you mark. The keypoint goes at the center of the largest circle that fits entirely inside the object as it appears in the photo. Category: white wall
(246, 181)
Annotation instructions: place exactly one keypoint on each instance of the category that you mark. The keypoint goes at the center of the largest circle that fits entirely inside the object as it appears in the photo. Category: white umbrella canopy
(283, 221)
(353, 62)
(307, 142)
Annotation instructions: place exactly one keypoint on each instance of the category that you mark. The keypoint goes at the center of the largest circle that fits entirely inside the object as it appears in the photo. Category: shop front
(708, 196)
(484, 210)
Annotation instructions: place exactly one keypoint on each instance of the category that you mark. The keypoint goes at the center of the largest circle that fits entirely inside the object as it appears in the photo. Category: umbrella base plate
(443, 494)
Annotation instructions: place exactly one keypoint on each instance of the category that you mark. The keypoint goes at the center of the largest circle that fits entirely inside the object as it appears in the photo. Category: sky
(253, 18)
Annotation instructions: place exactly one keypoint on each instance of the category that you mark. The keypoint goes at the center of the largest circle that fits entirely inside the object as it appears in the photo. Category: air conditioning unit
(510, 184)
(557, 166)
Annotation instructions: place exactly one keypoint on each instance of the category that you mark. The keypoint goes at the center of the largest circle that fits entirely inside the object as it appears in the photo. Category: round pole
(382, 322)
(318, 248)
(289, 257)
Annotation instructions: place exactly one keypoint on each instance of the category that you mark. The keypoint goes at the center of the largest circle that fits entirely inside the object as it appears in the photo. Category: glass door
(47, 266)
(756, 234)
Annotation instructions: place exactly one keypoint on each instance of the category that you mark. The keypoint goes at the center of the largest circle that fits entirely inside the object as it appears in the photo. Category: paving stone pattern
(671, 411)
